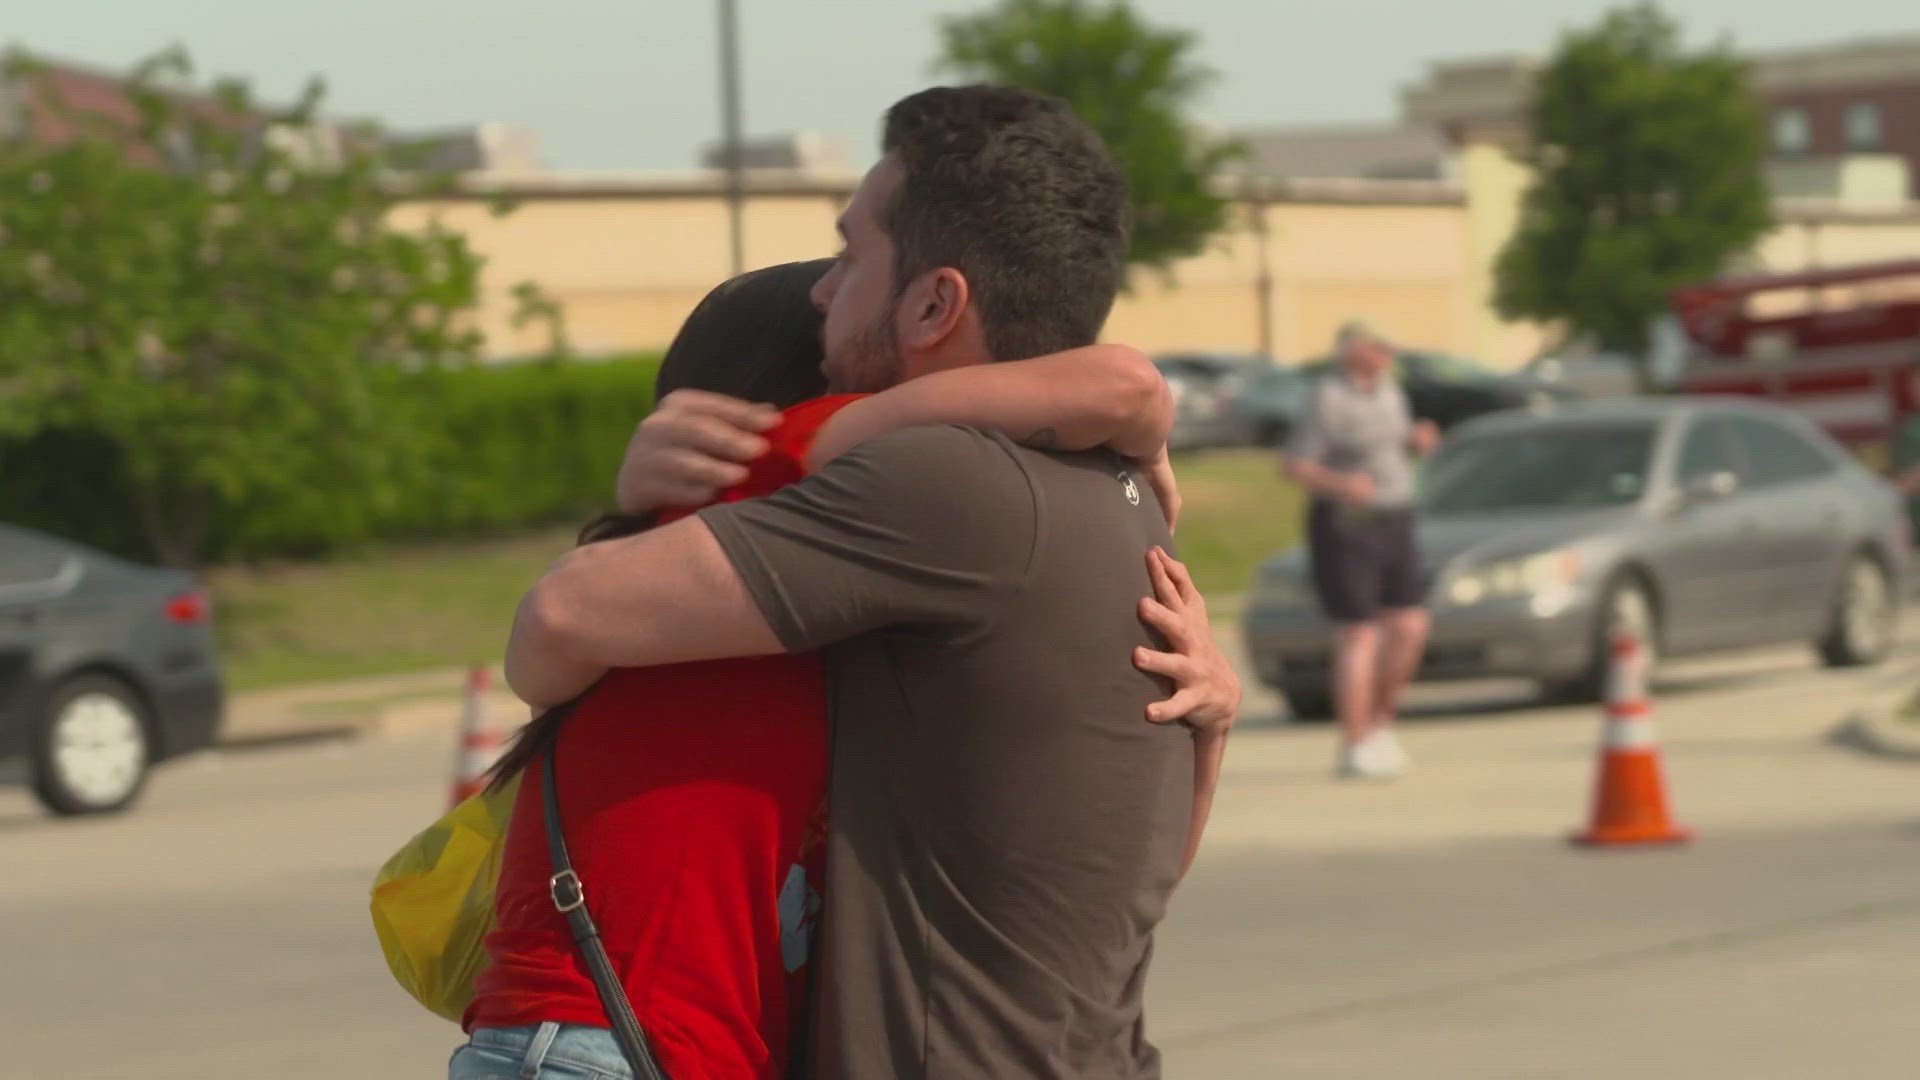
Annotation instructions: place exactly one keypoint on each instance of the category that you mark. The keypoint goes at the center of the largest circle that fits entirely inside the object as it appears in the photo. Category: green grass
(381, 613)
(1236, 512)
(413, 608)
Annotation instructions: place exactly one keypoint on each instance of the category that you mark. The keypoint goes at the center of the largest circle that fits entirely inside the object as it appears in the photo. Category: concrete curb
(375, 708)
(1878, 732)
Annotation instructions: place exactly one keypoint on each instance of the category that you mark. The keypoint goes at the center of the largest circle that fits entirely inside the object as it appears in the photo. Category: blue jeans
(548, 1052)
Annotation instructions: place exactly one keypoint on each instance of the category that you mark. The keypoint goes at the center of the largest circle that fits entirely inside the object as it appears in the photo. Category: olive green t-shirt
(1006, 826)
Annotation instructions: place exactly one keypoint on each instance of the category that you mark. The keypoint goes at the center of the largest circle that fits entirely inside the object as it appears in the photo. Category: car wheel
(92, 747)
(1864, 616)
(1626, 607)
(1308, 704)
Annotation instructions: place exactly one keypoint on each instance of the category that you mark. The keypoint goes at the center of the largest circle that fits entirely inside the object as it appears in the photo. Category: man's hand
(690, 447)
(1426, 436)
(1160, 478)
(1206, 693)
(1357, 488)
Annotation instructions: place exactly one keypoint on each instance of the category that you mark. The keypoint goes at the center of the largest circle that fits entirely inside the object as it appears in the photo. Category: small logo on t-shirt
(1132, 489)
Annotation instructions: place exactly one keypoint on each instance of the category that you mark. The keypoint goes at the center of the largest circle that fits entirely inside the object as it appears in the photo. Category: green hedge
(477, 451)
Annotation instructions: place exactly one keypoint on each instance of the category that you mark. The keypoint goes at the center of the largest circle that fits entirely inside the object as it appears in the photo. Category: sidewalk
(357, 708)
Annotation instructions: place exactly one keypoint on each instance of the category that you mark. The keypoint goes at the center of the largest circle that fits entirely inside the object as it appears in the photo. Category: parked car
(1701, 524)
(106, 668)
(1269, 401)
(1205, 386)
(1450, 390)
(1593, 375)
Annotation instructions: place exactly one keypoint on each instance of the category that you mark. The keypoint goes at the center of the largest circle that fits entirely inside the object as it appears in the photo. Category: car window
(1776, 454)
(1708, 449)
(26, 559)
(1584, 467)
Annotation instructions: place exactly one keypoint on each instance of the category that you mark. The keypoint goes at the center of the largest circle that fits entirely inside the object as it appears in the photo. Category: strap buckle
(567, 891)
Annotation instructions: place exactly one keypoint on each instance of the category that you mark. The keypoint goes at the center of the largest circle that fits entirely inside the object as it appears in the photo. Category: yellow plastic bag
(433, 901)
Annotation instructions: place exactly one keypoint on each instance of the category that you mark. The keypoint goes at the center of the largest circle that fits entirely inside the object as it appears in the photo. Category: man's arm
(664, 596)
(869, 541)
(1300, 462)
(1075, 400)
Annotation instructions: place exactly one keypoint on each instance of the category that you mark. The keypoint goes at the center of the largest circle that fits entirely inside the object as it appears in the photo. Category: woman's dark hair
(756, 337)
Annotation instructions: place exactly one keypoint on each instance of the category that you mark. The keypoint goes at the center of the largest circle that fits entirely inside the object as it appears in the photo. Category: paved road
(1432, 929)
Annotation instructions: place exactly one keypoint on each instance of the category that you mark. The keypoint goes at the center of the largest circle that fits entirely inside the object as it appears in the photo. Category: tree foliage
(188, 284)
(1134, 83)
(1648, 176)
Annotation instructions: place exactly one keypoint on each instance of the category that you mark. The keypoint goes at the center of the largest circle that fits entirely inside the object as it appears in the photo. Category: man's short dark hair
(1011, 189)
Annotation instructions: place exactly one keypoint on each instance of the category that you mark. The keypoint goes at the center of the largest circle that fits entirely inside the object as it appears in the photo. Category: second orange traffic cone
(1630, 796)
(480, 741)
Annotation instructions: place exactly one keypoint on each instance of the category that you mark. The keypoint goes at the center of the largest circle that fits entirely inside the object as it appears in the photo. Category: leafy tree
(222, 308)
(1133, 83)
(1648, 176)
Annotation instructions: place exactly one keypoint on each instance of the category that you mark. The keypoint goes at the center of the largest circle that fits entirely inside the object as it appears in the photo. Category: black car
(1270, 401)
(106, 668)
(1449, 390)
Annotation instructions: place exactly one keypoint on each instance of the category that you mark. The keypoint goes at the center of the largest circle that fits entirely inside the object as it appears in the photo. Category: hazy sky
(612, 84)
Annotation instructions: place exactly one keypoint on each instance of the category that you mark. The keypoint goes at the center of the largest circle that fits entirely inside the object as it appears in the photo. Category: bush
(476, 451)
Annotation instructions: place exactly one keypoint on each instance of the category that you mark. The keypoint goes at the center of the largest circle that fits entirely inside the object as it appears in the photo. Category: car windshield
(1539, 468)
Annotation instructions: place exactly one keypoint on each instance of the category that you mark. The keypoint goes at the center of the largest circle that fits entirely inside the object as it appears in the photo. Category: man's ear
(932, 308)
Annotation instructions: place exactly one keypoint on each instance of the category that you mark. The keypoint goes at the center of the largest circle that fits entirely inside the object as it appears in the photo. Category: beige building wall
(626, 270)
(629, 260)
(1496, 183)
(1811, 238)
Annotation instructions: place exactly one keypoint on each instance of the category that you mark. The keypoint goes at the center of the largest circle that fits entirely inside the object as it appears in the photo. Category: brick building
(1831, 101)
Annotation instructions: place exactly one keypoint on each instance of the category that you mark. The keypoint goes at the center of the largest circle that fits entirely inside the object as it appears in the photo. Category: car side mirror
(1711, 488)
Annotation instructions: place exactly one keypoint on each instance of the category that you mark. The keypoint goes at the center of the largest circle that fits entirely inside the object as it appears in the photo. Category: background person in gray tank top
(1353, 449)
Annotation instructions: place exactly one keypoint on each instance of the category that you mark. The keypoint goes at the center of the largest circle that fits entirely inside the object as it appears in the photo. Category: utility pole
(730, 132)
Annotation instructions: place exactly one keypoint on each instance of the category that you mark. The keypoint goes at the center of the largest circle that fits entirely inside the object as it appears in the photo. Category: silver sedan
(1705, 524)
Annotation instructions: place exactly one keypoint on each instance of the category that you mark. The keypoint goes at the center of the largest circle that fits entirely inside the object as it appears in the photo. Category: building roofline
(781, 183)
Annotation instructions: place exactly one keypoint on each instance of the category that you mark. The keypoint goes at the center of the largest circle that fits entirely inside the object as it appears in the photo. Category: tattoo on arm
(1044, 439)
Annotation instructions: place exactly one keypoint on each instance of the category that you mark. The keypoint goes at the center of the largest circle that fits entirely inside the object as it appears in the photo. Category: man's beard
(875, 359)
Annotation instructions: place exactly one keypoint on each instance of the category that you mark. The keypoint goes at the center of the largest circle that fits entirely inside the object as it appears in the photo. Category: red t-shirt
(694, 798)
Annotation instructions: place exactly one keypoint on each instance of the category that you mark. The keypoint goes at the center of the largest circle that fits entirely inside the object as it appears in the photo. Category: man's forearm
(661, 597)
(1100, 395)
(539, 669)
(1316, 478)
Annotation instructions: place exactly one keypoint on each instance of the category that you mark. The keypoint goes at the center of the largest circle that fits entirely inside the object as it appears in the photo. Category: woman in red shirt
(701, 844)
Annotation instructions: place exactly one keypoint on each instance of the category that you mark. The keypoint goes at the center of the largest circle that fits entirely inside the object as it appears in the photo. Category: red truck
(1840, 346)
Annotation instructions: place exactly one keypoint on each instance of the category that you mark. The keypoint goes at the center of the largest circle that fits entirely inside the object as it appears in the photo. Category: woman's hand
(1160, 478)
(1206, 693)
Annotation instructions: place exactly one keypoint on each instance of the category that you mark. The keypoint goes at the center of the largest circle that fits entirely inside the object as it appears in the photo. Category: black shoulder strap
(570, 897)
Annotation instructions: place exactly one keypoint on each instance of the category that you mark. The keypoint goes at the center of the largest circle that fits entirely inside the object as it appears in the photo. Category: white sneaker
(1392, 754)
(1376, 757)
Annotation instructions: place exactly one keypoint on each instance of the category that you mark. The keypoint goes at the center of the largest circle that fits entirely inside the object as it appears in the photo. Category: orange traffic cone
(1630, 801)
(480, 741)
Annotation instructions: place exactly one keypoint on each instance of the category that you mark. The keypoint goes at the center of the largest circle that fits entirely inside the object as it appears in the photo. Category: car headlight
(1550, 575)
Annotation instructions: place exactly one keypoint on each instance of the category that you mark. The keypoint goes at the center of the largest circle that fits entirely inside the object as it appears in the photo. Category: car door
(1800, 517)
(30, 574)
(1701, 551)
